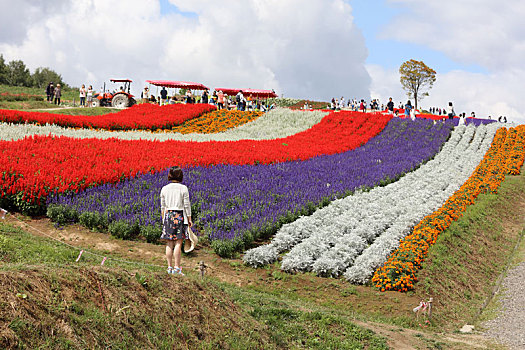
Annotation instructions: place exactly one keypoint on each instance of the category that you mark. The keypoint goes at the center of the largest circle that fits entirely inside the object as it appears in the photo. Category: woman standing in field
(82, 95)
(176, 218)
(58, 95)
(89, 95)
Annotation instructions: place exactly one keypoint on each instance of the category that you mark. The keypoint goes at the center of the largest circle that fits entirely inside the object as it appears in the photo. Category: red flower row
(144, 116)
(36, 166)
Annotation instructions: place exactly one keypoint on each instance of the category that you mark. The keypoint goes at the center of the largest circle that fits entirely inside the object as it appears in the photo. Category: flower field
(217, 121)
(236, 204)
(144, 116)
(36, 166)
(354, 235)
(278, 123)
(358, 195)
(504, 157)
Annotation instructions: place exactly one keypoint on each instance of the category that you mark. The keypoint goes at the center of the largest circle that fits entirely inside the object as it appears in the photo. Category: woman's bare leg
(177, 252)
(169, 252)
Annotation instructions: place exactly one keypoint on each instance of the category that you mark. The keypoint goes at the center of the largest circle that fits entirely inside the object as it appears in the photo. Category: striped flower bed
(276, 124)
(353, 236)
(236, 204)
(399, 271)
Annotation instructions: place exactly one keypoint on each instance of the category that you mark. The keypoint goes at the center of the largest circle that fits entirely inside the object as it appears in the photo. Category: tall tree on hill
(44, 75)
(3, 70)
(18, 74)
(416, 78)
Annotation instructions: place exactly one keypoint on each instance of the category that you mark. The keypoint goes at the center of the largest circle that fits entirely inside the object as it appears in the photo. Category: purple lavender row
(235, 204)
(475, 121)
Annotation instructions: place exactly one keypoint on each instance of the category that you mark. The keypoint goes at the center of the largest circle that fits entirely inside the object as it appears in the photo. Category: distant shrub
(123, 230)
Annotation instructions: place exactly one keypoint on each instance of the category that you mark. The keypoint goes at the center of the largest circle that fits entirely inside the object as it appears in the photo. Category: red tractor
(120, 98)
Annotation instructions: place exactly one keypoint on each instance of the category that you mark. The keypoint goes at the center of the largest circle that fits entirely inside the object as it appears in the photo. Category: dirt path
(408, 339)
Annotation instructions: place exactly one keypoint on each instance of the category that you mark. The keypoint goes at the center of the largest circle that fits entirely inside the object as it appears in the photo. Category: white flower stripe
(278, 123)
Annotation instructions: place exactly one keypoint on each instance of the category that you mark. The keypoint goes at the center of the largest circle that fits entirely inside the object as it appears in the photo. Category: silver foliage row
(355, 235)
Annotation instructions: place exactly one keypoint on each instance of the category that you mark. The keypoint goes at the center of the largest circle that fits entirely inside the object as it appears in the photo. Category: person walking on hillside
(163, 96)
(204, 98)
(390, 106)
(238, 99)
(189, 98)
(450, 111)
(89, 96)
(145, 95)
(220, 99)
(408, 108)
(175, 209)
(362, 106)
(413, 114)
(58, 95)
(50, 92)
(82, 95)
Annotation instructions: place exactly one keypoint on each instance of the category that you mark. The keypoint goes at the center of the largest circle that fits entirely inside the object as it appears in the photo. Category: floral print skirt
(173, 227)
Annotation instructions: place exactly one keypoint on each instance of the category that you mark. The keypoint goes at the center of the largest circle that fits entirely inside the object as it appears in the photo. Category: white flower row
(275, 124)
(355, 235)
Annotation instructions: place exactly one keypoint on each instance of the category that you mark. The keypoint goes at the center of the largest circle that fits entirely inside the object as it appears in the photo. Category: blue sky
(372, 16)
(166, 8)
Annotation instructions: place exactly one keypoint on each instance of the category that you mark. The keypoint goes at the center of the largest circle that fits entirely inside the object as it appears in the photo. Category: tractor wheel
(95, 103)
(120, 101)
(132, 102)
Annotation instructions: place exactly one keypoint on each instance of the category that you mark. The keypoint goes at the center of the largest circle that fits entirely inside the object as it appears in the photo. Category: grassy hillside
(24, 98)
(49, 301)
(466, 260)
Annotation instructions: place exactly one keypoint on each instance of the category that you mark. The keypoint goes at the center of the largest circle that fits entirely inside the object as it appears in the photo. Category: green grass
(473, 251)
(299, 324)
(22, 90)
(55, 295)
(68, 96)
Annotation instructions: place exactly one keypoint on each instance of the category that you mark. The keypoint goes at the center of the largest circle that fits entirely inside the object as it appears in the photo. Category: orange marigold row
(517, 156)
(505, 155)
(216, 121)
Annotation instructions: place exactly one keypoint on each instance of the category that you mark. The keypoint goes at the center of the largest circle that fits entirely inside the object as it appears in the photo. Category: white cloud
(301, 49)
(471, 32)
(483, 32)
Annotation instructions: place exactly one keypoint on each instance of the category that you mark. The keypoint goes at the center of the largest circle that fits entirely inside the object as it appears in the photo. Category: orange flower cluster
(216, 121)
(517, 155)
(399, 272)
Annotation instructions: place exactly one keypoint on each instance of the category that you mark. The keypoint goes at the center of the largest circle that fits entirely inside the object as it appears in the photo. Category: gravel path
(509, 327)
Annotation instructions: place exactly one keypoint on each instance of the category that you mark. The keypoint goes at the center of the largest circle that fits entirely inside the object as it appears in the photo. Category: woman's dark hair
(175, 174)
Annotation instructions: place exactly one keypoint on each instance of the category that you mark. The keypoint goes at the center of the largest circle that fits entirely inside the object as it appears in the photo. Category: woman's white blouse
(175, 196)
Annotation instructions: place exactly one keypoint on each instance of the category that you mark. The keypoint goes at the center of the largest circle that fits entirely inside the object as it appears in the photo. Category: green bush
(151, 233)
(93, 221)
(123, 230)
(62, 214)
(223, 248)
